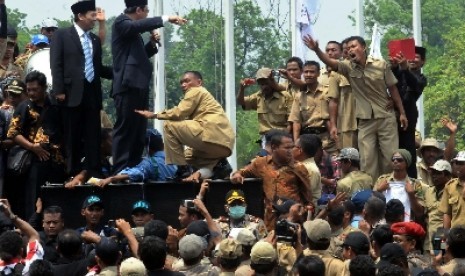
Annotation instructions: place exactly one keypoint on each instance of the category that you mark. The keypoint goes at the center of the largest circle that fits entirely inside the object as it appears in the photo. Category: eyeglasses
(398, 159)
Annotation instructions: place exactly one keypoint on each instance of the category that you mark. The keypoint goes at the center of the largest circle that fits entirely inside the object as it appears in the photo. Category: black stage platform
(164, 197)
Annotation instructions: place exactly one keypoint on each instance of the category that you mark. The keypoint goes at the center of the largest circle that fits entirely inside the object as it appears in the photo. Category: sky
(332, 23)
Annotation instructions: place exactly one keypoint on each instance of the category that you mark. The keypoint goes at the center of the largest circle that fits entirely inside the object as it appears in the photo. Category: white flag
(305, 17)
(375, 47)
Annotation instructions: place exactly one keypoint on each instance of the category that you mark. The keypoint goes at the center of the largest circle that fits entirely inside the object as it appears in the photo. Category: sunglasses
(398, 159)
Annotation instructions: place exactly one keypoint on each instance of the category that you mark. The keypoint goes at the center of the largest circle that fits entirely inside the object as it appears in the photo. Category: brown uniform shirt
(272, 112)
(199, 105)
(424, 174)
(334, 266)
(369, 85)
(435, 217)
(310, 108)
(339, 88)
(452, 202)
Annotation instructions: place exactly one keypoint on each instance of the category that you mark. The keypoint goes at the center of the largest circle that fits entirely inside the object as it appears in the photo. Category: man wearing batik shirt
(281, 176)
(11, 245)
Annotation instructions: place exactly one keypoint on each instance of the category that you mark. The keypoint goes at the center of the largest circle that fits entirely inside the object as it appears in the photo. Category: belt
(313, 130)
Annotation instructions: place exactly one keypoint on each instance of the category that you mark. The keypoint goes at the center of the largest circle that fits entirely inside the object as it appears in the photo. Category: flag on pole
(305, 17)
(375, 47)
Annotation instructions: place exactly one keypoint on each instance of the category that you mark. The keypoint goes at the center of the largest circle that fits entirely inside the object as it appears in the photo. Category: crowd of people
(349, 186)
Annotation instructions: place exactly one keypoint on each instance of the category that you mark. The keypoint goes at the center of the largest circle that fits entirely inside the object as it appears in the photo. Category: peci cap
(263, 73)
(460, 156)
(11, 31)
(49, 23)
(420, 51)
(38, 39)
(283, 205)
(357, 240)
(441, 165)
(317, 230)
(230, 249)
(83, 6)
(132, 267)
(92, 200)
(141, 205)
(191, 246)
(16, 86)
(263, 253)
(349, 153)
(246, 237)
(408, 228)
(235, 195)
(135, 3)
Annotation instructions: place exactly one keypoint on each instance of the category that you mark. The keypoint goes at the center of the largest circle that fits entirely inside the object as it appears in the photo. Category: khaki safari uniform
(339, 88)
(254, 224)
(424, 174)
(376, 125)
(418, 186)
(449, 267)
(310, 109)
(452, 202)
(291, 88)
(353, 182)
(272, 112)
(334, 266)
(435, 217)
(315, 179)
(200, 123)
(416, 260)
(13, 68)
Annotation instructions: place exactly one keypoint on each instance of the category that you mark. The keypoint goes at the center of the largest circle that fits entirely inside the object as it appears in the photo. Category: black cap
(198, 228)
(389, 252)
(141, 205)
(357, 240)
(135, 3)
(234, 195)
(83, 6)
(10, 31)
(92, 200)
(421, 51)
(283, 205)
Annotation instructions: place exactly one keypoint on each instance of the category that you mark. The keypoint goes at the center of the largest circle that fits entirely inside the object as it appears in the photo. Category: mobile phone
(111, 223)
(2, 207)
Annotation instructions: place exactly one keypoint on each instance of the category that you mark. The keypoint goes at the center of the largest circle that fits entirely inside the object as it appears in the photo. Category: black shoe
(182, 172)
(222, 169)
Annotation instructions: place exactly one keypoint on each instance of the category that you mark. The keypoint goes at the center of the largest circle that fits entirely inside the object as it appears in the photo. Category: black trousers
(407, 141)
(82, 135)
(130, 127)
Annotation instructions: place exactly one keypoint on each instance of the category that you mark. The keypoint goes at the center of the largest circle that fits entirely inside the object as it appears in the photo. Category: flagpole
(159, 95)
(416, 10)
(293, 27)
(230, 95)
(360, 22)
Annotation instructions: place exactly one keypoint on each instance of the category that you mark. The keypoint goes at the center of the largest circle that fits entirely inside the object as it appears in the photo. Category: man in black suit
(132, 72)
(76, 64)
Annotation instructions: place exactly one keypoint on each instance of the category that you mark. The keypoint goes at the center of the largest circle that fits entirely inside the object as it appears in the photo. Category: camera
(439, 241)
(286, 231)
(111, 223)
(189, 204)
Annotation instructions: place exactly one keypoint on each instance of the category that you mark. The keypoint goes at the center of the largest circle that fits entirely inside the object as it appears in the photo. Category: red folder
(406, 46)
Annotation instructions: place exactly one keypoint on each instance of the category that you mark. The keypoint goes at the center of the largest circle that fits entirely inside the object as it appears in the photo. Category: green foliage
(247, 134)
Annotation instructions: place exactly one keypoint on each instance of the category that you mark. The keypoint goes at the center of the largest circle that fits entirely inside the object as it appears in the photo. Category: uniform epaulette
(223, 219)
(254, 219)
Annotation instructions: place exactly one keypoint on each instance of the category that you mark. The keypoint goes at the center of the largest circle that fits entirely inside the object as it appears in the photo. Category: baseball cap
(199, 228)
(49, 23)
(263, 73)
(349, 153)
(317, 230)
(263, 253)
(283, 205)
(442, 165)
(235, 195)
(132, 267)
(230, 249)
(246, 237)
(360, 198)
(357, 240)
(409, 228)
(389, 252)
(16, 87)
(460, 156)
(141, 205)
(92, 200)
(38, 39)
(191, 246)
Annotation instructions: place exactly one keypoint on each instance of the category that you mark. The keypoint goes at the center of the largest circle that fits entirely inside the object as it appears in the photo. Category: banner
(375, 47)
(306, 12)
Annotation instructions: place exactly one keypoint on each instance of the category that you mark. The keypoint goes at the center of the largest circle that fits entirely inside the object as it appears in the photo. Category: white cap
(442, 165)
(49, 23)
(460, 156)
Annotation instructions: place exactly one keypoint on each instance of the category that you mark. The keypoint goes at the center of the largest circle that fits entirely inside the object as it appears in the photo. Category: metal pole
(293, 27)
(159, 72)
(416, 10)
(360, 22)
(230, 97)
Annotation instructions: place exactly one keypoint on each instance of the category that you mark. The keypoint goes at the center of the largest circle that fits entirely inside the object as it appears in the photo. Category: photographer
(11, 245)
(455, 246)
